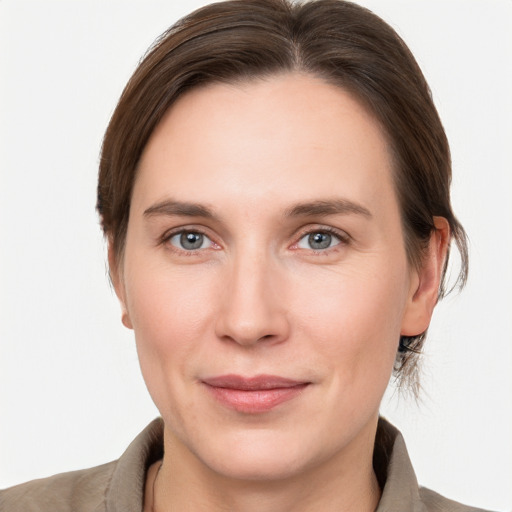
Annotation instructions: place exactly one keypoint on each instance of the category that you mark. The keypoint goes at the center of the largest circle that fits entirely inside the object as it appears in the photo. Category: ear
(425, 282)
(116, 278)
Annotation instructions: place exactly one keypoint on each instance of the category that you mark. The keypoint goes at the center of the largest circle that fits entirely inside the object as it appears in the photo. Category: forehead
(292, 134)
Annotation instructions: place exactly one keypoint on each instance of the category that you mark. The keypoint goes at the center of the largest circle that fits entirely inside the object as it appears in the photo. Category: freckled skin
(256, 298)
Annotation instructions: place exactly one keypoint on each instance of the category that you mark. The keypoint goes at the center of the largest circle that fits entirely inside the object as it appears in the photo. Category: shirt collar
(391, 462)
(392, 465)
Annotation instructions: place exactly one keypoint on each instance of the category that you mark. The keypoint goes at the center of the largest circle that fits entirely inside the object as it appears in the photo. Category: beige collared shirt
(119, 486)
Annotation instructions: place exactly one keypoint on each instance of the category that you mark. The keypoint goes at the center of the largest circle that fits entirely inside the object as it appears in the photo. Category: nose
(252, 303)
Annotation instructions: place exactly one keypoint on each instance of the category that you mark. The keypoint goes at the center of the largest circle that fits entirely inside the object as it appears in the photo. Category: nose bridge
(252, 309)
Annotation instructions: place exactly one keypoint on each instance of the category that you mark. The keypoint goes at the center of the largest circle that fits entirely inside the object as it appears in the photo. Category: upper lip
(257, 382)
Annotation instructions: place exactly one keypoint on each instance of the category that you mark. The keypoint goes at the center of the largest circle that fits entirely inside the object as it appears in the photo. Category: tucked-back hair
(337, 41)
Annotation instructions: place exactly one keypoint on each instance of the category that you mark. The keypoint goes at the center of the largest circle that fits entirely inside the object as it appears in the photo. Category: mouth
(253, 395)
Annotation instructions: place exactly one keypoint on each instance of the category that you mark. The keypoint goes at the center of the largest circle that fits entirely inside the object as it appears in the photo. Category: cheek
(170, 314)
(165, 302)
(356, 321)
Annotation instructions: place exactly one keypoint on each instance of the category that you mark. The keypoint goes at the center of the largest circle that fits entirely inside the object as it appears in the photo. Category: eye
(319, 240)
(190, 241)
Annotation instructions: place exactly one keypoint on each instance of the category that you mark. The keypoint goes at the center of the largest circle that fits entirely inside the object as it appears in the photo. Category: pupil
(191, 240)
(319, 240)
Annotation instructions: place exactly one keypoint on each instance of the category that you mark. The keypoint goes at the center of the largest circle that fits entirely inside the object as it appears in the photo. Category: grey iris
(191, 241)
(319, 240)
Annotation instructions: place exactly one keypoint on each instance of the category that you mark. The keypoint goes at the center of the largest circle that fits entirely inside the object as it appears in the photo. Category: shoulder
(434, 502)
(77, 491)
(116, 486)
(400, 489)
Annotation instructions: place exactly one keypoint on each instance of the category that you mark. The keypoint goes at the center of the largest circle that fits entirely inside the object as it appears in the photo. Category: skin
(256, 298)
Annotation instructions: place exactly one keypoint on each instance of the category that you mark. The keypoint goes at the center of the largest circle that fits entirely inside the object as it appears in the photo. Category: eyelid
(206, 242)
(165, 238)
(343, 236)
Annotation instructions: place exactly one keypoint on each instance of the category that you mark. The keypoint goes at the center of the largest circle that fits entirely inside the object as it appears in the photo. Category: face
(265, 275)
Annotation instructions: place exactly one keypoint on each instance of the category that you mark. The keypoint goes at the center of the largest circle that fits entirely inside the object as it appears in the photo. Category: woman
(274, 189)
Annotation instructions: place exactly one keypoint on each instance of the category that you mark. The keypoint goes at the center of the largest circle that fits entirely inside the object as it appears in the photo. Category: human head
(340, 42)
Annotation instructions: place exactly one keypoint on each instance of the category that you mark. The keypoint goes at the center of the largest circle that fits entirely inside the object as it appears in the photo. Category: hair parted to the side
(338, 41)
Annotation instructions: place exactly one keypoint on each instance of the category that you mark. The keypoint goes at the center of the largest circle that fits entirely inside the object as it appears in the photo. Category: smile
(253, 395)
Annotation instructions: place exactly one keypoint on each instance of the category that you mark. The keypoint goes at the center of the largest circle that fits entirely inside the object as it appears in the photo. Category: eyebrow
(171, 207)
(327, 207)
(320, 208)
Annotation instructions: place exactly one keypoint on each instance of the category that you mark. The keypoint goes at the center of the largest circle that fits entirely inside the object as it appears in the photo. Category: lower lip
(255, 401)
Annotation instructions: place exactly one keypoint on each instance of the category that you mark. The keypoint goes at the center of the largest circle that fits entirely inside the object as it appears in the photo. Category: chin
(258, 463)
(263, 454)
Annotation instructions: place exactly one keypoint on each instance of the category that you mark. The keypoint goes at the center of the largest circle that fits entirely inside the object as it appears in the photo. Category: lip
(253, 395)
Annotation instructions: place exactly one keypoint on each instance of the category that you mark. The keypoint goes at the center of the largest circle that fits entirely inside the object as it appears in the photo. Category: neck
(345, 482)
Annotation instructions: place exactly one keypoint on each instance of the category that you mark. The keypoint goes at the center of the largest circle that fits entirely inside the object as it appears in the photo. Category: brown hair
(340, 42)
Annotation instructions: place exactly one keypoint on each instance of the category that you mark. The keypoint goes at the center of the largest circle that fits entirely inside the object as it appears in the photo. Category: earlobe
(125, 319)
(425, 283)
(117, 283)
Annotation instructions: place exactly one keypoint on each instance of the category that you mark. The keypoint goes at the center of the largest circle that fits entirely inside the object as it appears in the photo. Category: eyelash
(344, 239)
(168, 235)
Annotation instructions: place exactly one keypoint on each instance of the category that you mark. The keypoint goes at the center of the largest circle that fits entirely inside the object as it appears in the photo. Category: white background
(71, 394)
